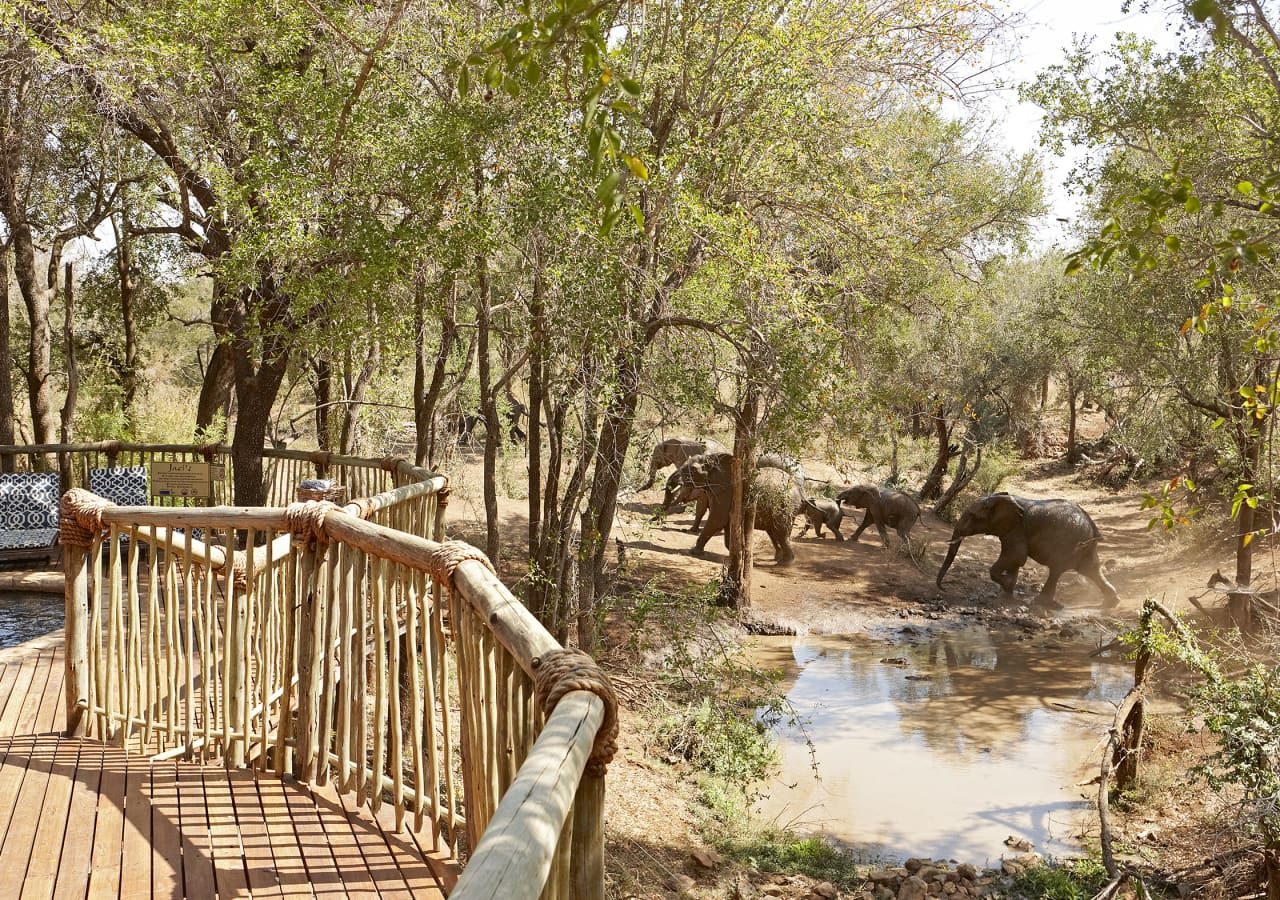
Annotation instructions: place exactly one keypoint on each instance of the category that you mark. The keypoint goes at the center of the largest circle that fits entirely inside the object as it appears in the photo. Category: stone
(913, 889)
(743, 890)
(882, 876)
(884, 893)
(707, 859)
(930, 873)
(1018, 843)
(1029, 860)
(967, 871)
(949, 888)
(913, 865)
(680, 883)
(826, 889)
(1009, 867)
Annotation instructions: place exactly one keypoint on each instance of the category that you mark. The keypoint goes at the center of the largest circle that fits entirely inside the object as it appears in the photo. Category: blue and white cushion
(122, 486)
(28, 510)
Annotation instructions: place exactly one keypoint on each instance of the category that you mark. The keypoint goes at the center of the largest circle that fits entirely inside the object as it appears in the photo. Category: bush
(1073, 880)
(722, 740)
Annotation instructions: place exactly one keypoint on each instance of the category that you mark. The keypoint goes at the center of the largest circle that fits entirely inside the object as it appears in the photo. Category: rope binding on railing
(561, 672)
(80, 523)
(306, 521)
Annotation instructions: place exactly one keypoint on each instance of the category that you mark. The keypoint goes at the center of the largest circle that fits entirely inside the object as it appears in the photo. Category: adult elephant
(1055, 533)
(676, 452)
(785, 463)
(774, 491)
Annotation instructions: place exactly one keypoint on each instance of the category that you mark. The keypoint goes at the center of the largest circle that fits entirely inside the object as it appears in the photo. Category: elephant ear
(1006, 512)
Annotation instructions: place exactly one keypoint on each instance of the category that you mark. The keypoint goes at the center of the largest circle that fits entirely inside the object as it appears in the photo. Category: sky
(1049, 29)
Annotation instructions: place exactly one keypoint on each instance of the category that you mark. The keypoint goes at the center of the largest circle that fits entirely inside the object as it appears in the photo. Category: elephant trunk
(953, 548)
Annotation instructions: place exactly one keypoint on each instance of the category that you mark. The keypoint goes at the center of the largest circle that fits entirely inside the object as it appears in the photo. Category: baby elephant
(821, 512)
(885, 508)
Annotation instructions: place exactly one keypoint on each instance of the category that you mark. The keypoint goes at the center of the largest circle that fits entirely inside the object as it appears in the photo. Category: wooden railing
(347, 645)
(282, 469)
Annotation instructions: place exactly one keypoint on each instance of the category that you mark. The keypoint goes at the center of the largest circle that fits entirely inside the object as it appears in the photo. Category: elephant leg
(717, 519)
(699, 511)
(904, 532)
(1045, 597)
(884, 535)
(866, 520)
(1092, 570)
(780, 535)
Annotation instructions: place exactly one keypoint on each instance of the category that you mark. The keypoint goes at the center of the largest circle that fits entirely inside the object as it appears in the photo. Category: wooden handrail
(513, 858)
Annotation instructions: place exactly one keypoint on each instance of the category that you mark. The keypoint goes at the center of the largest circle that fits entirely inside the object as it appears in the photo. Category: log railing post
(586, 853)
(76, 659)
(310, 670)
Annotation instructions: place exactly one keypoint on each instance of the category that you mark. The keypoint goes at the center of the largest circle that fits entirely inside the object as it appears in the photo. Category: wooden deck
(81, 819)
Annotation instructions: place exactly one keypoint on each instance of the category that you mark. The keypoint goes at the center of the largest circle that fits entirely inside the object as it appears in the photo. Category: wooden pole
(586, 860)
(513, 859)
(76, 656)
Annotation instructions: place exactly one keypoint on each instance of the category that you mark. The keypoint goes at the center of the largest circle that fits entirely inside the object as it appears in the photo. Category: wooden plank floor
(80, 819)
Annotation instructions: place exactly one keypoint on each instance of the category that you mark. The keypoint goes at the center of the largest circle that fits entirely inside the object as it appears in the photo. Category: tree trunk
(322, 388)
(128, 284)
(426, 396)
(1072, 396)
(73, 374)
(933, 483)
(488, 408)
(220, 374)
(735, 583)
(616, 427)
(537, 351)
(44, 423)
(357, 389)
(7, 405)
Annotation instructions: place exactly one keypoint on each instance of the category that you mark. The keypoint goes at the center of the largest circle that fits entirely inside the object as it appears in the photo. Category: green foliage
(1242, 711)
(1077, 879)
(720, 739)
(730, 828)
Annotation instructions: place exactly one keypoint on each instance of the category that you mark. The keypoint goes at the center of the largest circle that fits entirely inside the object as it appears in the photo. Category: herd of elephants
(1057, 534)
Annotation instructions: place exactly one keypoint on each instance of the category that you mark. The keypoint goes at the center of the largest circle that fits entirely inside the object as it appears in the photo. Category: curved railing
(349, 645)
(282, 469)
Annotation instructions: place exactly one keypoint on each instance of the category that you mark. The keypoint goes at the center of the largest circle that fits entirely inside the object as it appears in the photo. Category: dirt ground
(840, 588)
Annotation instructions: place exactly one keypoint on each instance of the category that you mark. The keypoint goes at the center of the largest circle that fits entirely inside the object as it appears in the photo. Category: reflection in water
(27, 616)
(976, 738)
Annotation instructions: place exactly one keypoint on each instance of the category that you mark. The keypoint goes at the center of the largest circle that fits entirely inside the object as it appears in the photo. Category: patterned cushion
(24, 540)
(123, 487)
(29, 501)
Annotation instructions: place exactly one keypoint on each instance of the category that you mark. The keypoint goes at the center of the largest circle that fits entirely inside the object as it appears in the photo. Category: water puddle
(27, 616)
(944, 746)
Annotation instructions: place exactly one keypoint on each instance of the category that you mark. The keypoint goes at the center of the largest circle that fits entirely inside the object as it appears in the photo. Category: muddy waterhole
(941, 744)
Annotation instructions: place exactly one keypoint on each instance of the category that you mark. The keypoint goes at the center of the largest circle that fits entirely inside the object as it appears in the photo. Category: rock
(1018, 843)
(743, 890)
(1009, 867)
(967, 871)
(707, 859)
(826, 889)
(680, 883)
(882, 876)
(918, 677)
(884, 893)
(1029, 860)
(913, 865)
(894, 661)
(913, 889)
(930, 873)
(949, 888)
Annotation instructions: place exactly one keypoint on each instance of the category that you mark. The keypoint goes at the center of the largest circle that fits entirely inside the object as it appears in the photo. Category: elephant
(676, 452)
(681, 490)
(894, 509)
(775, 493)
(785, 463)
(1055, 533)
(822, 512)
